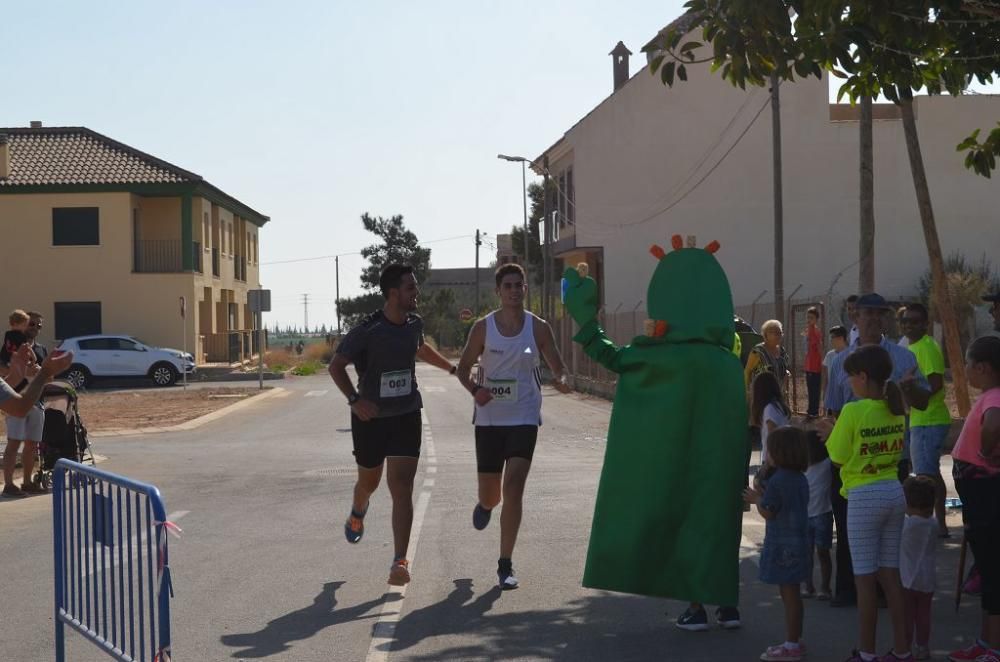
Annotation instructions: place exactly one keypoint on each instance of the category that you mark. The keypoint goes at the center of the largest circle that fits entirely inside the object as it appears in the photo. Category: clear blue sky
(314, 112)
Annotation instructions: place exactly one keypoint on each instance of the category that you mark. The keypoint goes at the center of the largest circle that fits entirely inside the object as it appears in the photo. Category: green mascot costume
(668, 517)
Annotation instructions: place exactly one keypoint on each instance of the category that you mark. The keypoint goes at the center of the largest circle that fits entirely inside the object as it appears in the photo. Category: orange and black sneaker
(399, 572)
(354, 527)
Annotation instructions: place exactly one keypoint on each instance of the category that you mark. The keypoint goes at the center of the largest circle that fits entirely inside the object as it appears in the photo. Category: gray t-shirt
(384, 354)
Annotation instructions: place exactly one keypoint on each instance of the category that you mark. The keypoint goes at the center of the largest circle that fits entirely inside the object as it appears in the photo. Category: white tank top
(509, 369)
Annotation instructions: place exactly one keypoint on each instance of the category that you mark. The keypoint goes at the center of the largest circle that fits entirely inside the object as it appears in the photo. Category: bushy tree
(396, 244)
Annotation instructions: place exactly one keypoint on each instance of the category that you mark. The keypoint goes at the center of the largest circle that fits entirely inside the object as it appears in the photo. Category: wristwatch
(351, 399)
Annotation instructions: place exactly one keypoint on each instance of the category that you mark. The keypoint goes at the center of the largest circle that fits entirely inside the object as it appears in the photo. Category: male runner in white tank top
(508, 398)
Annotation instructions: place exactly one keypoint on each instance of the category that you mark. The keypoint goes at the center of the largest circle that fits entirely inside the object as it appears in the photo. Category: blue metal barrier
(112, 580)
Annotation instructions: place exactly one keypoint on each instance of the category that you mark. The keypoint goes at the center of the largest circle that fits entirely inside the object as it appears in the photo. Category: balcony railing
(157, 255)
(153, 256)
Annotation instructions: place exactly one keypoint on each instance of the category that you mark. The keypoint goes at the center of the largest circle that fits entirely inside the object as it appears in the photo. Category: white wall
(631, 154)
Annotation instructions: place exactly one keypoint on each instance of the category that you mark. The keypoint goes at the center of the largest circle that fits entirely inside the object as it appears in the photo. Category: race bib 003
(396, 384)
(503, 390)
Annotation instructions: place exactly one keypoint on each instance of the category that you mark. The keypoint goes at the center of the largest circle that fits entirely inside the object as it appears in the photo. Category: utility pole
(779, 239)
(336, 301)
(305, 310)
(866, 270)
(475, 313)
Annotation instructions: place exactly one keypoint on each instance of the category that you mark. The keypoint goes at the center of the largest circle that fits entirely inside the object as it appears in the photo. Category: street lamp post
(524, 196)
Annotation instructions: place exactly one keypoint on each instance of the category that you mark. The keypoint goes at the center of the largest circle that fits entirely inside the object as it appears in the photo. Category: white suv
(123, 356)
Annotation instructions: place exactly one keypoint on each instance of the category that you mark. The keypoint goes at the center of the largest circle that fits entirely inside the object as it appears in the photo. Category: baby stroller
(64, 435)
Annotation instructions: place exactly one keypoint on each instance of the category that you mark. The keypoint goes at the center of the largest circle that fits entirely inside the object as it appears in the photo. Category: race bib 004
(396, 384)
(503, 390)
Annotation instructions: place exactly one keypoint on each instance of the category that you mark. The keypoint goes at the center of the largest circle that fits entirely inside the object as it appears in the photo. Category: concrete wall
(646, 146)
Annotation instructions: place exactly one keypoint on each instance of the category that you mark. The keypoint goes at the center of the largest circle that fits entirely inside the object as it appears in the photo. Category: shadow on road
(301, 624)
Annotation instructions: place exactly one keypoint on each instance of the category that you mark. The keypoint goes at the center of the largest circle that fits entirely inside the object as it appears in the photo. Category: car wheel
(78, 376)
(163, 374)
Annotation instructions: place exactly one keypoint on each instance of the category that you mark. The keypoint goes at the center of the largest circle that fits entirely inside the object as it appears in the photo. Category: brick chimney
(4, 157)
(36, 124)
(619, 62)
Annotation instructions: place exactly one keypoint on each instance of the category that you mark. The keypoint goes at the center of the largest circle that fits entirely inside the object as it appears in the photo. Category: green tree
(441, 318)
(396, 244)
(892, 49)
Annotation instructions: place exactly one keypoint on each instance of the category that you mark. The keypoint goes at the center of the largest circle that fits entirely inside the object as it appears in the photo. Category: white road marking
(384, 630)
(432, 470)
(433, 389)
(283, 393)
(316, 394)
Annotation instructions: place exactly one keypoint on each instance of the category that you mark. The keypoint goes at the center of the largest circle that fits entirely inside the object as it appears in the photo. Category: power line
(691, 190)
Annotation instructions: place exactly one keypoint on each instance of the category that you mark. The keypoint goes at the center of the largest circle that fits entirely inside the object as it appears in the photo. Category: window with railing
(157, 255)
(215, 261)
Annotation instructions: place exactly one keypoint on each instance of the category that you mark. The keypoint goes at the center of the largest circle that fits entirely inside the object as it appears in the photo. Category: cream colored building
(651, 161)
(103, 238)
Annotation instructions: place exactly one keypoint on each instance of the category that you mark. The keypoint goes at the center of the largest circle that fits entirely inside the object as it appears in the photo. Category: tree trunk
(779, 240)
(866, 248)
(939, 289)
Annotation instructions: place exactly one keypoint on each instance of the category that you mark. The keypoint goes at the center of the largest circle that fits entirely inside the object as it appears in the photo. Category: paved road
(263, 571)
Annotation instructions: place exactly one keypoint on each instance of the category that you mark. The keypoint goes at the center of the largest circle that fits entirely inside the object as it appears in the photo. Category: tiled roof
(77, 155)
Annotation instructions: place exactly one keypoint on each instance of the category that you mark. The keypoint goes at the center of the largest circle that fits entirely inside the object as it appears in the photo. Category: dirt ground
(151, 408)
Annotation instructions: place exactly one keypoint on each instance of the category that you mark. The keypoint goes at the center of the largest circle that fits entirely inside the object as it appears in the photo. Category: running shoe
(480, 517)
(969, 653)
(780, 652)
(506, 579)
(892, 657)
(920, 652)
(399, 572)
(354, 527)
(728, 617)
(989, 656)
(12, 491)
(693, 620)
(855, 656)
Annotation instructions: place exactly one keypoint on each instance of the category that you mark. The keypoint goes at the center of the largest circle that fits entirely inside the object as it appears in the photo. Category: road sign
(259, 301)
(465, 315)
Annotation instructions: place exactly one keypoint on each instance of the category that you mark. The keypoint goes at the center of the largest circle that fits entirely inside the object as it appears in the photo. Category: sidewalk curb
(194, 422)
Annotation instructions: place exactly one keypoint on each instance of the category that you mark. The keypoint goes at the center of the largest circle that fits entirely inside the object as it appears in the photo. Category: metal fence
(625, 322)
(112, 579)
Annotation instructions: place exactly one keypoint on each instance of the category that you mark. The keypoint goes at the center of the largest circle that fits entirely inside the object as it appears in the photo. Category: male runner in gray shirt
(385, 407)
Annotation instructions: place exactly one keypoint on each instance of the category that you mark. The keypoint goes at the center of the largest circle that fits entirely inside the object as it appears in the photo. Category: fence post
(58, 480)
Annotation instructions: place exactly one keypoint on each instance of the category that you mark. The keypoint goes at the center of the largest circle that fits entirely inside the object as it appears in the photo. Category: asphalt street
(262, 570)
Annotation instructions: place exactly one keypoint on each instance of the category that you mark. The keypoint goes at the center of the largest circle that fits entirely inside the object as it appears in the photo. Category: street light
(524, 194)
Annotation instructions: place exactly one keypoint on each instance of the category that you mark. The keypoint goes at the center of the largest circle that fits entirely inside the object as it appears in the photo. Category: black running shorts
(379, 438)
(495, 444)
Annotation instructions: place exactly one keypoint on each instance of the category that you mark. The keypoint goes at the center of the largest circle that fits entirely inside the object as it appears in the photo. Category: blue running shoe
(354, 527)
(480, 517)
